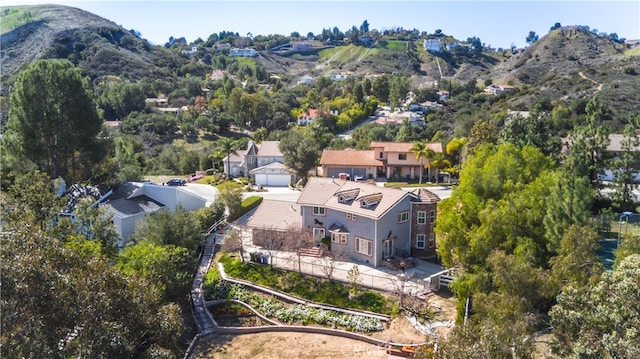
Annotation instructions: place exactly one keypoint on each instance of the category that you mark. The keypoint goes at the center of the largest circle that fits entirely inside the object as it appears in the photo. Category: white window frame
(403, 217)
(318, 230)
(421, 217)
(432, 216)
(319, 211)
(432, 240)
(352, 217)
(339, 238)
(367, 245)
(421, 238)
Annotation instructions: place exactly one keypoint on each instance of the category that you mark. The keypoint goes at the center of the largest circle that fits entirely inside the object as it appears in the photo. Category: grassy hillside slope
(97, 45)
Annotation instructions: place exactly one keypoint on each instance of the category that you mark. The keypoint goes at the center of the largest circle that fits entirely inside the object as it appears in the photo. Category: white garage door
(273, 180)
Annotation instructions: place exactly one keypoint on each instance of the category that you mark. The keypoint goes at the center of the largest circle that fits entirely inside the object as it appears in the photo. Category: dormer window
(347, 196)
(370, 200)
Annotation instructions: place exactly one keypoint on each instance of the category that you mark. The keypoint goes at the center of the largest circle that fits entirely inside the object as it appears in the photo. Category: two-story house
(263, 162)
(391, 160)
(368, 223)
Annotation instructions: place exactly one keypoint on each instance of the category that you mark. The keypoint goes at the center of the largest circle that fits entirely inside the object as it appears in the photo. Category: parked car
(195, 178)
(176, 182)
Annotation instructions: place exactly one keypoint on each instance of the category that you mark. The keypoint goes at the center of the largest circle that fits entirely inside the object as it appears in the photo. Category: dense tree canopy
(602, 320)
(54, 118)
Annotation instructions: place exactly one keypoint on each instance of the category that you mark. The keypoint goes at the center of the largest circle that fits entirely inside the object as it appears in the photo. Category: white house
(246, 52)
(306, 80)
(133, 201)
(432, 45)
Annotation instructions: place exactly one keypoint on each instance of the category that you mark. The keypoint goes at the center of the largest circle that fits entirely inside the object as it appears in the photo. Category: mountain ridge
(548, 68)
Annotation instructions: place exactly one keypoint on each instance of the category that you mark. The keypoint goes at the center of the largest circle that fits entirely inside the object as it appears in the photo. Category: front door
(388, 248)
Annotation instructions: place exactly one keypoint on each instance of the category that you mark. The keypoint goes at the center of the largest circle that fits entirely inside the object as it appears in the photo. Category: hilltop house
(263, 162)
(391, 160)
(368, 223)
(432, 45)
(494, 89)
(246, 52)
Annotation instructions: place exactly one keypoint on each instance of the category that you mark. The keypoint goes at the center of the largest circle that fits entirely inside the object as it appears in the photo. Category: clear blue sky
(496, 23)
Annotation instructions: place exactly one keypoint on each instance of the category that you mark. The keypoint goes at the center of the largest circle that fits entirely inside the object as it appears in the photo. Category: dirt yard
(318, 346)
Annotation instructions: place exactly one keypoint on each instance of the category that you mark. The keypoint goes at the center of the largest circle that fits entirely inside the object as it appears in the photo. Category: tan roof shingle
(320, 191)
(269, 149)
(276, 215)
(350, 158)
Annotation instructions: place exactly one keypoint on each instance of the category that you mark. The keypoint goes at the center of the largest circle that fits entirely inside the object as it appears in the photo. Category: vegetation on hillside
(520, 229)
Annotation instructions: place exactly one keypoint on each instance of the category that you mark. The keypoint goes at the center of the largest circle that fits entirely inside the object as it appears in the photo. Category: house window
(352, 217)
(432, 216)
(420, 241)
(318, 232)
(250, 159)
(432, 240)
(403, 217)
(381, 155)
(422, 217)
(402, 156)
(339, 238)
(364, 246)
(318, 211)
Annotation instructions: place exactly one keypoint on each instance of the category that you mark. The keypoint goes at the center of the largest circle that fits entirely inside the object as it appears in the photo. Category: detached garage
(274, 174)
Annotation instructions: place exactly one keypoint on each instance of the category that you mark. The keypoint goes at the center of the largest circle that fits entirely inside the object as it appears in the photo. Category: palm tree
(421, 151)
(216, 157)
(228, 146)
(440, 162)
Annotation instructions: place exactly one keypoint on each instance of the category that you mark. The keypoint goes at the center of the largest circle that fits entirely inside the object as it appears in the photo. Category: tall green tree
(591, 138)
(422, 151)
(531, 37)
(167, 267)
(53, 118)
(180, 228)
(577, 262)
(569, 202)
(398, 89)
(229, 147)
(482, 132)
(625, 168)
(534, 130)
(300, 153)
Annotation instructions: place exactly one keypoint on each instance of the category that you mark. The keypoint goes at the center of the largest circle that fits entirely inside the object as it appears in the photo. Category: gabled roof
(404, 147)
(276, 215)
(236, 157)
(321, 192)
(125, 207)
(425, 196)
(310, 113)
(269, 149)
(350, 158)
(272, 165)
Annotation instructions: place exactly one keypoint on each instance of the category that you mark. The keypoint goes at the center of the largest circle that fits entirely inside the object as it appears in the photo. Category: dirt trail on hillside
(590, 79)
